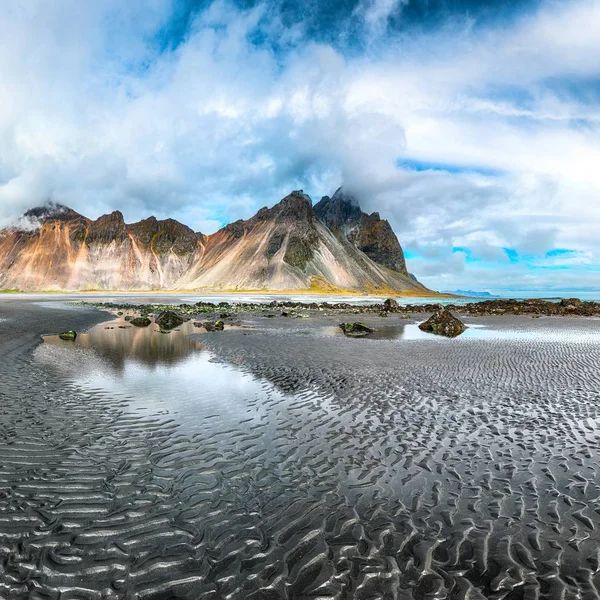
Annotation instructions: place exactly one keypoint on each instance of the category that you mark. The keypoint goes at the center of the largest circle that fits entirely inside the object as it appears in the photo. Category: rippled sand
(290, 462)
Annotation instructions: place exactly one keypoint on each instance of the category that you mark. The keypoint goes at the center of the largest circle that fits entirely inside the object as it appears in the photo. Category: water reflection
(156, 372)
(474, 331)
(118, 342)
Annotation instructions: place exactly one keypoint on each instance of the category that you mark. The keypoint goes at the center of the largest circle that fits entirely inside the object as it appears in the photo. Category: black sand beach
(331, 467)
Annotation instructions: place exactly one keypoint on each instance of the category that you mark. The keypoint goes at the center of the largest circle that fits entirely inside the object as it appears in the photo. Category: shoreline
(571, 307)
(212, 292)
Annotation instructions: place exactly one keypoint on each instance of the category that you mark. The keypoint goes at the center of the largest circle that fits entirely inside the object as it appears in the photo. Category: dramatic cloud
(474, 133)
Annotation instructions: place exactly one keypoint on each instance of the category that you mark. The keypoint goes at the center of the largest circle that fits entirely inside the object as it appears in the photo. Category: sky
(473, 127)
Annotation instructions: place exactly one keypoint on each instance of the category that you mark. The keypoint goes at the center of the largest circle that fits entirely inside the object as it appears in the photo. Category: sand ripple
(379, 470)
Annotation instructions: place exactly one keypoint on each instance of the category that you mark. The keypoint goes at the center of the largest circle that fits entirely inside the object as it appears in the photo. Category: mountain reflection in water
(118, 342)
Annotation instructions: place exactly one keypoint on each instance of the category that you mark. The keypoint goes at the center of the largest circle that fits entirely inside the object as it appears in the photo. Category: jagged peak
(346, 196)
(116, 216)
(35, 217)
(296, 205)
(51, 210)
(338, 210)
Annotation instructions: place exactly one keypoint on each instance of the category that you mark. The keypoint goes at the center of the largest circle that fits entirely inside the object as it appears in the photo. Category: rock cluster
(140, 321)
(168, 320)
(214, 325)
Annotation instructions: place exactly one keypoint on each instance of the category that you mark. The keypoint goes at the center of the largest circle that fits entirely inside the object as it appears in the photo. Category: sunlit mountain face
(332, 247)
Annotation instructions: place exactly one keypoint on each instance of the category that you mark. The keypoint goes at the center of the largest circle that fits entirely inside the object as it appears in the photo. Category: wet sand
(319, 467)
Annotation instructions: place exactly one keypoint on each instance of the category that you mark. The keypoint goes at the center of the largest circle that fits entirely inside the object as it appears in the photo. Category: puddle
(411, 331)
(155, 371)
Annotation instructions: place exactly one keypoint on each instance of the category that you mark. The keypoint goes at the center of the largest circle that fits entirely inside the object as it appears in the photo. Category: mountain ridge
(291, 246)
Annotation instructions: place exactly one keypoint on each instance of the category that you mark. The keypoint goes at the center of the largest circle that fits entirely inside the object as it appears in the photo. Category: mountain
(471, 294)
(291, 246)
(368, 233)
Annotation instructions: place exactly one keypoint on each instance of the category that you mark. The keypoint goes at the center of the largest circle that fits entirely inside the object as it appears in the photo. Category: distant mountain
(471, 294)
(291, 246)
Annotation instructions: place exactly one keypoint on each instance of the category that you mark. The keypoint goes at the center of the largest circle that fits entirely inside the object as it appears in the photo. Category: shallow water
(474, 331)
(50, 300)
(156, 372)
(307, 467)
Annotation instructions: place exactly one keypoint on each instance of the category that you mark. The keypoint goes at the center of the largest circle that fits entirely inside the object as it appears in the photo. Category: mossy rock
(68, 336)
(356, 329)
(168, 320)
(443, 322)
(141, 321)
(213, 325)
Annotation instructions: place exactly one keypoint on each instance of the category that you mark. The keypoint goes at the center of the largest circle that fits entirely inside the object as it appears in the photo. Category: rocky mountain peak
(108, 228)
(369, 233)
(295, 206)
(345, 196)
(50, 211)
(340, 212)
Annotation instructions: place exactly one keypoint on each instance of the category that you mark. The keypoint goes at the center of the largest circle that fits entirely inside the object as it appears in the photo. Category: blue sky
(471, 126)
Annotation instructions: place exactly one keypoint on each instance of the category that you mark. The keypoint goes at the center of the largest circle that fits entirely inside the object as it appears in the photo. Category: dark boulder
(68, 336)
(213, 325)
(390, 305)
(169, 320)
(356, 329)
(141, 321)
(570, 302)
(443, 322)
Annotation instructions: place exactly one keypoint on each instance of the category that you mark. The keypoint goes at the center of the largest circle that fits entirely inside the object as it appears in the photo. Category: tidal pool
(156, 372)
(474, 331)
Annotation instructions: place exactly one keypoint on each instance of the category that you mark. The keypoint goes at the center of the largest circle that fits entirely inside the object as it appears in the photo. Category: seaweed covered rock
(356, 329)
(213, 325)
(68, 336)
(390, 305)
(141, 321)
(168, 320)
(443, 322)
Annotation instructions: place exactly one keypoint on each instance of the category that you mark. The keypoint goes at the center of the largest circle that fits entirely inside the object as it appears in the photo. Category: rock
(213, 325)
(285, 314)
(570, 302)
(68, 336)
(390, 304)
(141, 321)
(356, 329)
(168, 320)
(443, 322)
